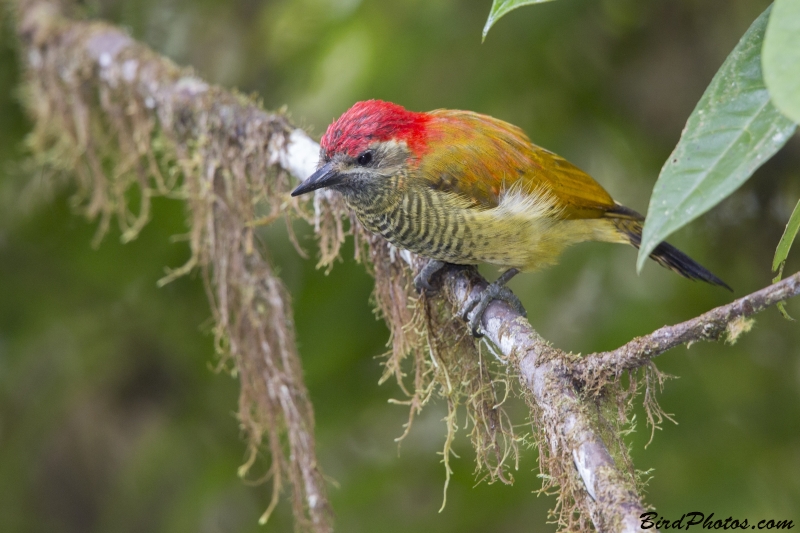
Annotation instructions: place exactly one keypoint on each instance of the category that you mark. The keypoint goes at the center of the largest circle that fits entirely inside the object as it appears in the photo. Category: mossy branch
(129, 123)
(727, 321)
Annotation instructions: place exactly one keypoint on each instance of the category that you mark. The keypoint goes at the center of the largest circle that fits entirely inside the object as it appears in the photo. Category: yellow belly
(525, 231)
(531, 246)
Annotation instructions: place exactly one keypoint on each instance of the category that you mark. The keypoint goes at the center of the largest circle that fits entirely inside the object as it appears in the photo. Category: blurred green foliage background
(111, 417)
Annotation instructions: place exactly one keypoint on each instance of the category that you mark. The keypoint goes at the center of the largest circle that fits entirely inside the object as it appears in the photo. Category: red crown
(375, 120)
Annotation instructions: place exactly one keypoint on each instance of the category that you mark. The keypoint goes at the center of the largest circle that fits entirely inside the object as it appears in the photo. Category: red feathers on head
(375, 120)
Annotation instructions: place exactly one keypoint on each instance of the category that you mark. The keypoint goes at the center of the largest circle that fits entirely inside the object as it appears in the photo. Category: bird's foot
(422, 281)
(476, 305)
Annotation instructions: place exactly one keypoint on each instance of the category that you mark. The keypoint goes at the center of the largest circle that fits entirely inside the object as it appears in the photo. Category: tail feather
(664, 254)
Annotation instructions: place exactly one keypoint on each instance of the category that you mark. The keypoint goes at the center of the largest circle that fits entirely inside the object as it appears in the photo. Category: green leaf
(781, 57)
(733, 130)
(501, 7)
(782, 251)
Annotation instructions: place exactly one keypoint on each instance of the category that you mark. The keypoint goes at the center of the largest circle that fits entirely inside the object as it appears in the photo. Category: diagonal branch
(554, 379)
(711, 325)
(570, 431)
(226, 146)
(127, 122)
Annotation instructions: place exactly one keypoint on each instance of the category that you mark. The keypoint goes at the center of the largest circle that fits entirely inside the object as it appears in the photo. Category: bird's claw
(422, 281)
(476, 305)
(423, 285)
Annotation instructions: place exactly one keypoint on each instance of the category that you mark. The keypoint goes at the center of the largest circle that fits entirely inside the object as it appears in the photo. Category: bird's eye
(365, 158)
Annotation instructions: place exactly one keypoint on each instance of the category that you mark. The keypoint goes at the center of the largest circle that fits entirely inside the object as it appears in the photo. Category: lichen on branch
(130, 125)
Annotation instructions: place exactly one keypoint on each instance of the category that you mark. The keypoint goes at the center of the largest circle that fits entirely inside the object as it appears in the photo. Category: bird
(459, 187)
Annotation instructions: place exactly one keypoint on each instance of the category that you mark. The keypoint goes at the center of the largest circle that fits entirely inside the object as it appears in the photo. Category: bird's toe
(476, 306)
(422, 281)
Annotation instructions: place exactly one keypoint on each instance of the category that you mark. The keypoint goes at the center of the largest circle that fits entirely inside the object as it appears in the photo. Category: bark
(189, 111)
(725, 320)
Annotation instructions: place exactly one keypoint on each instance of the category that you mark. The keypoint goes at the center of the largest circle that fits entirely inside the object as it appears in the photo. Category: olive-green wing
(479, 157)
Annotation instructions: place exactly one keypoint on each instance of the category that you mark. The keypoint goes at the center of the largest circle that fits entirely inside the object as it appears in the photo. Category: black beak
(323, 177)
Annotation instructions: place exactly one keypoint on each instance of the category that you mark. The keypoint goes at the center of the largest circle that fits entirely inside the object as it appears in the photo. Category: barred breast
(420, 223)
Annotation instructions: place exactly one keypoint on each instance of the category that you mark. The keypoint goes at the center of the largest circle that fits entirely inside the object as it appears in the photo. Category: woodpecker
(464, 188)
